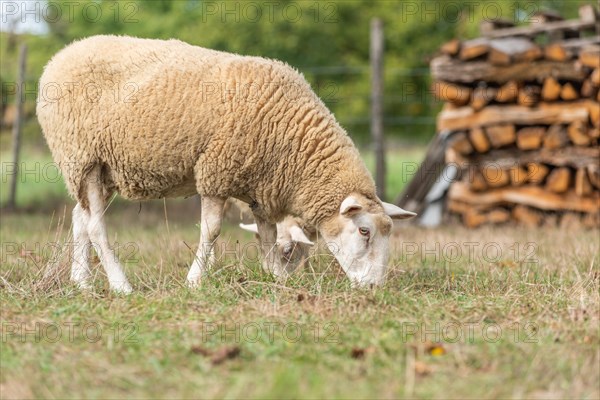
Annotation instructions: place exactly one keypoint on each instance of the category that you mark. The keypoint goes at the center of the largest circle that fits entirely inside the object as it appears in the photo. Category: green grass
(546, 305)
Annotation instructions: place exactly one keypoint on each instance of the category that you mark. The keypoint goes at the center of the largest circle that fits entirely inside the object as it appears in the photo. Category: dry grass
(528, 317)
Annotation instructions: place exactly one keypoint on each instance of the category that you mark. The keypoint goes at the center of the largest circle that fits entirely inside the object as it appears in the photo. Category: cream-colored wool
(164, 119)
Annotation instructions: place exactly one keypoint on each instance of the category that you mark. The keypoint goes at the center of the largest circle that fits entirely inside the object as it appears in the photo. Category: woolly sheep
(151, 119)
(294, 237)
(294, 240)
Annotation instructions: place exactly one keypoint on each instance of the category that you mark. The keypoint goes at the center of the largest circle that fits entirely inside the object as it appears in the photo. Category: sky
(26, 16)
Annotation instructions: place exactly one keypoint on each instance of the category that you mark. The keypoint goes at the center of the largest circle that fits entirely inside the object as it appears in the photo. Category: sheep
(294, 237)
(294, 240)
(150, 119)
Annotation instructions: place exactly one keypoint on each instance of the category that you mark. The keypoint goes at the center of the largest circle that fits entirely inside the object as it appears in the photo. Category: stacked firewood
(522, 115)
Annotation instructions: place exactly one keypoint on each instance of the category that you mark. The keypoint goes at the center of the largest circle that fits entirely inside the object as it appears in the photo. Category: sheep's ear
(250, 228)
(350, 206)
(396, 212)
(298, 235)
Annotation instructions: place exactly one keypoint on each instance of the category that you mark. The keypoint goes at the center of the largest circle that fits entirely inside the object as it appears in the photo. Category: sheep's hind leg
(80, 269)
(97, 233)
(210, 227)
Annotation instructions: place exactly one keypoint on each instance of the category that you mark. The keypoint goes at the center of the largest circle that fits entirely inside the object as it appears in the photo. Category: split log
(536, 172)
(546, 113)
(527, 216)
(533, 196)
(452, 92)
(594, 174)
(590, 56)
(570, 156)
(551, 89)
(556, 137)
(482, 95)
(556, 52)
(461, 144)
(498, 215)
(568, 49)
(508, 92)
(529, 95)
(451, 48)
(595, 77)
(577, 132)
(530, 138)
(583, 187)
(568, 92)
(559, 180)
(479, 140)
(588, 89)
(495, 177)
(444, 68)
(474, 218)
(518, 175)
(594, 110)
(501, 135)
(477, 182)
(471, 49)
(511, 50)
(460, 207)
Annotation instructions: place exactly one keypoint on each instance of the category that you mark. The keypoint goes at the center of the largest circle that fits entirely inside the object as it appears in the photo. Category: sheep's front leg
(80, 269)
(269, 247)
(210, 227)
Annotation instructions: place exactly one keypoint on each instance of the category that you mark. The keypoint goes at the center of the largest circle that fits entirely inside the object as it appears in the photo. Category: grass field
(495, 313)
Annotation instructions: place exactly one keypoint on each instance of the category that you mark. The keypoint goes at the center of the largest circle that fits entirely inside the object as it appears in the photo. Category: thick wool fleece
(164, 119)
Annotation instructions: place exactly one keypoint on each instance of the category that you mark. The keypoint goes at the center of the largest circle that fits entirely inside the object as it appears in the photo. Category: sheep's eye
(364, 231)
(287, 250)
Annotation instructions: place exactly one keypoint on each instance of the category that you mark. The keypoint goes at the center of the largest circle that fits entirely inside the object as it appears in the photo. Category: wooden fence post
(376, 55)
(16, 131)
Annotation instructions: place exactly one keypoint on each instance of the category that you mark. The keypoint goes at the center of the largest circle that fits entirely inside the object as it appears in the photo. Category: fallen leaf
(217, 356)
(360, 352)
(422, 369)
(435, 349)
(357, 353)
(201, 350)
(224, 354)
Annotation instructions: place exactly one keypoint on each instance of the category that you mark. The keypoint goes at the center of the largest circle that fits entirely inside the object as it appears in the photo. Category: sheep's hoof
(83, 285)
(193, 283)
(121, 287)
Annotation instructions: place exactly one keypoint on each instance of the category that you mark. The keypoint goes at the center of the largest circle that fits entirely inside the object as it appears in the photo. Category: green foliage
(327, 41)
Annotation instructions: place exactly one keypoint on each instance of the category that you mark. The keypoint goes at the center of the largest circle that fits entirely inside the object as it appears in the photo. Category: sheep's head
(292, 246)
(358, 236)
